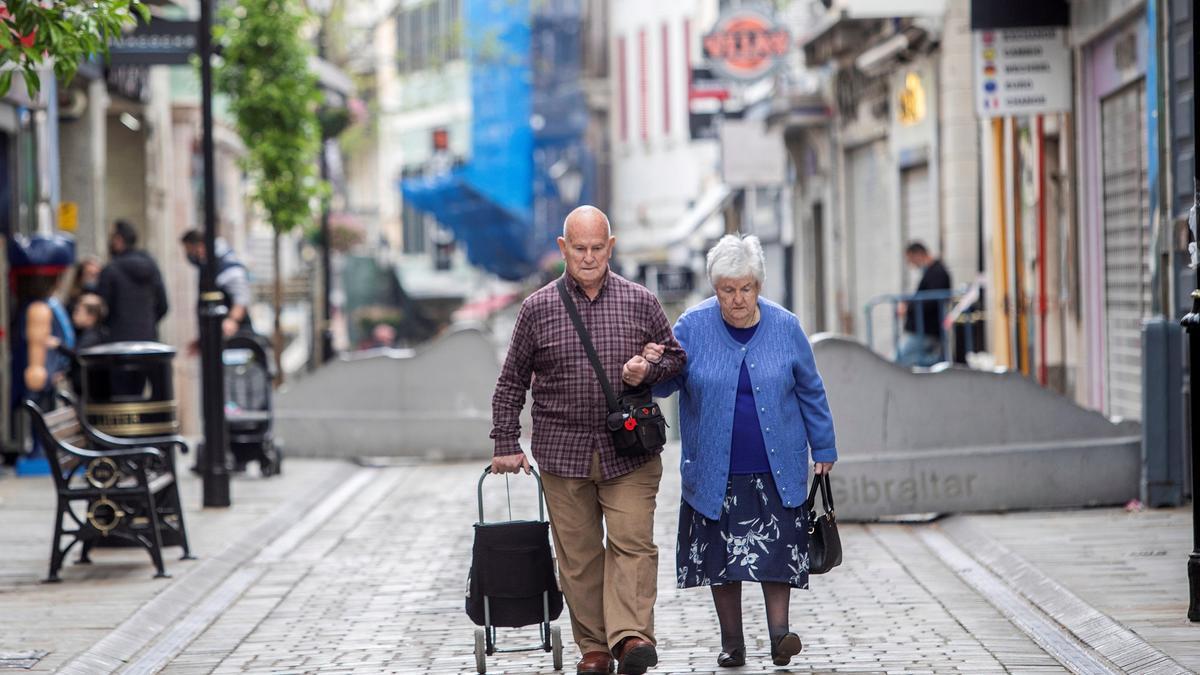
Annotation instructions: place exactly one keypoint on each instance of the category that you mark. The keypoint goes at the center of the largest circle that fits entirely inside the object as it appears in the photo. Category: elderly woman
(752, 410)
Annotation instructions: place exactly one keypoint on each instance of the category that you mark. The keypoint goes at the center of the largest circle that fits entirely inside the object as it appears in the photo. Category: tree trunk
(277, 337)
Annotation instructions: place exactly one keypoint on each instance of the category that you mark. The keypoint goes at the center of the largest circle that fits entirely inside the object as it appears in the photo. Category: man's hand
(901, 309)
(653, 352)
(822, 468)
(229, 327)
(635, 370)
(510, 464)
(193, 348)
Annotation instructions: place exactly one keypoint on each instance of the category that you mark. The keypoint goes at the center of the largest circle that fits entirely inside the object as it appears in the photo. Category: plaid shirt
(569, 409)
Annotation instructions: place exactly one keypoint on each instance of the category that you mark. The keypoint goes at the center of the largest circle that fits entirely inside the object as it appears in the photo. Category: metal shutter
(1126, 267)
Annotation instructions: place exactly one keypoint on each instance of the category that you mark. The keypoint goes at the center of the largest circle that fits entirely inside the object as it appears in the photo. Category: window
(429, 35)
(413, 223)
(643, 88)
(622, 95)
(666, 75)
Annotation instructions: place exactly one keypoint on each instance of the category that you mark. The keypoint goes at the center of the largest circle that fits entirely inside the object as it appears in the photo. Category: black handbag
(824, 543)
(635, 421)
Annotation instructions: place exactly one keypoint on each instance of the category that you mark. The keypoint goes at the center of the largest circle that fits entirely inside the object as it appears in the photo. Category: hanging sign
(161, 42)
(1022, 71)
(746, 44)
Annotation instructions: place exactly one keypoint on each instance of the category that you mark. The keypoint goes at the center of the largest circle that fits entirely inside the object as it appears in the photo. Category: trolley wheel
(480, 651)
(556, 646)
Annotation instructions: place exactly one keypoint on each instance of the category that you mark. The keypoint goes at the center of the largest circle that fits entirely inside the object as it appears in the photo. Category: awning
(714, 200)
(495, 238)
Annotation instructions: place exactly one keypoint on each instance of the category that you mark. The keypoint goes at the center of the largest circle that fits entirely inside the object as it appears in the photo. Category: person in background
(132, 288)
(922, 341)
(84, 279)
(88, 320)
(233, 281)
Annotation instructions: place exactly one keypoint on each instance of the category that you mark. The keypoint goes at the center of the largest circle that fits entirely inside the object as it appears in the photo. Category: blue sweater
(793, 411)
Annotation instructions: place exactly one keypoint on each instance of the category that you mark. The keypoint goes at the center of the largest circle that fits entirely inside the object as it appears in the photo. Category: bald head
(586, 246)
(586, 219)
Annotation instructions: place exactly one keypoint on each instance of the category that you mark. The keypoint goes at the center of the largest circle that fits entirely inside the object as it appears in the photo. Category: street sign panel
(1022, 71)
(161, 42)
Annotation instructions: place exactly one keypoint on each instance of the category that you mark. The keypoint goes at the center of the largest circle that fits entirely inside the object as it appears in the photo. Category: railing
(957, 307)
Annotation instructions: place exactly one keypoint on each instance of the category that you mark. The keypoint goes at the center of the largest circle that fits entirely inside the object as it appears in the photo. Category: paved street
(336, 568)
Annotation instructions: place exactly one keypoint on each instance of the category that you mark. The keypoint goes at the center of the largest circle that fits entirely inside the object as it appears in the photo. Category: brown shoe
(595, 663)
(635, 656)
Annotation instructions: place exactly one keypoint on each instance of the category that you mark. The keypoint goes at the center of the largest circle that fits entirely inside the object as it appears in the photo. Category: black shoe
(636, 656)
(784, 647)
(733, 658)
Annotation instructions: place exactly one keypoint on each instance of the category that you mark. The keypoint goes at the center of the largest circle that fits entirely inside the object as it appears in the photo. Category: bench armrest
(100, 438)
(122, 453)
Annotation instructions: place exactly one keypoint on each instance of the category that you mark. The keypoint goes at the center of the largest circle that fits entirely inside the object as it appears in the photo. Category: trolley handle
(508, 493)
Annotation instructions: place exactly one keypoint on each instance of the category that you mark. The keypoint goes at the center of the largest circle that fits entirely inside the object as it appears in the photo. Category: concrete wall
(965, 440)
(959, 157)
(434, 403)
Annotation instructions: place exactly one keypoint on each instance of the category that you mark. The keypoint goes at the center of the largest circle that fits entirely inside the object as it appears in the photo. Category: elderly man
(610, 586)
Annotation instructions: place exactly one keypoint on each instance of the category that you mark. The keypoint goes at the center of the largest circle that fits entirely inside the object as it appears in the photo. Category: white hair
(586, 210)
(734, 257)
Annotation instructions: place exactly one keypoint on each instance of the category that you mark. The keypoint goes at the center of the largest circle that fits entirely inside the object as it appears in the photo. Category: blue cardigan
(792, 409)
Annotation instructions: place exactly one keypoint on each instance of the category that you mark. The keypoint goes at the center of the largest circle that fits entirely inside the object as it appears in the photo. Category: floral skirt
(757, 538)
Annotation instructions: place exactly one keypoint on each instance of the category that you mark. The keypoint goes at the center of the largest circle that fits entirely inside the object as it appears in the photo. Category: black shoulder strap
(573, 312)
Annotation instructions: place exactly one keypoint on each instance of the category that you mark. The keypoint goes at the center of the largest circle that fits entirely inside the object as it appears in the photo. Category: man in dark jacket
(132, 288)
(922, 342)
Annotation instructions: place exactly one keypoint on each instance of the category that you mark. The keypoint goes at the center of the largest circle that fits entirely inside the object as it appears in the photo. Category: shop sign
(1022, 71)
(747, 44)
(912, 100)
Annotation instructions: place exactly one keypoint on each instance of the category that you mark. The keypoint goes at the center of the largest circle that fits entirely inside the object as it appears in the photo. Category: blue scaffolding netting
(504, 205)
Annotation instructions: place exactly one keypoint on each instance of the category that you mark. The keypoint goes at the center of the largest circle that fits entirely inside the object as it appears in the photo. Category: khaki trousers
(610, 585)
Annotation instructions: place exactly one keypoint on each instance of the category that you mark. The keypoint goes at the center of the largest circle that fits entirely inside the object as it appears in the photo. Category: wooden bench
(111, 491)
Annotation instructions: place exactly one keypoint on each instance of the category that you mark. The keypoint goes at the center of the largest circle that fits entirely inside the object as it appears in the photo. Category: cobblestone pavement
(377, 586)
(66, 618)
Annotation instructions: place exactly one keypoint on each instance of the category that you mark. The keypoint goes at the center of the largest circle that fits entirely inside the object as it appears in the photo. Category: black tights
(728, 600)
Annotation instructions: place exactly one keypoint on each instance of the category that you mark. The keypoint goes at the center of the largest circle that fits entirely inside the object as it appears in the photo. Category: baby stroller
(249, 413)
(512, 581)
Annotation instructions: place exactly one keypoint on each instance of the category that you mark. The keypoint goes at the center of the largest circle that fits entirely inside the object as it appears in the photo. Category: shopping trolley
(512, 582)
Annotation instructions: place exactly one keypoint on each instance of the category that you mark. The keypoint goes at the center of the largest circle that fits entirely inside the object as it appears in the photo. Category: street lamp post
(212, 308)
(322, 8)
(1191, 323)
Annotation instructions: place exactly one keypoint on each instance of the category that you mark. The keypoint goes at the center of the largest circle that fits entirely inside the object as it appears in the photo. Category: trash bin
(128, 389)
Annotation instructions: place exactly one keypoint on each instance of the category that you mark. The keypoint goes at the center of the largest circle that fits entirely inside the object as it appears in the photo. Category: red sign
(746, 44)
(441, 139)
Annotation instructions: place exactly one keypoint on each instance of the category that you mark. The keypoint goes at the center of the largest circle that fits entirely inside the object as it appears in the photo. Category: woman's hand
(822, 468)
(653, 352)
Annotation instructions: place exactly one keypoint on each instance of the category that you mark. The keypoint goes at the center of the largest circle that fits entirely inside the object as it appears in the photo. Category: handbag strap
(573, 312)
(821, 483)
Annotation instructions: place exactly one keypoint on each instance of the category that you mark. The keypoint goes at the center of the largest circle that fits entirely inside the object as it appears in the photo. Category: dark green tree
(273, 98)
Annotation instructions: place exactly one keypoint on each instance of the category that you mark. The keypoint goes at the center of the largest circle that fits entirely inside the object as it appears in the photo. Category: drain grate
(20, 660)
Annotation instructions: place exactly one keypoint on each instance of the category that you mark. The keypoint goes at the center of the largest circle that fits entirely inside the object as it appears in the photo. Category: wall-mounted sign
(1022, 71)
(161, 42)
(912, 107)
(746, 44)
